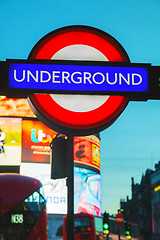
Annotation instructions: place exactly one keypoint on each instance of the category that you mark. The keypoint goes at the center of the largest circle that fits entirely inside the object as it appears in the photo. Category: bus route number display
(17, 218)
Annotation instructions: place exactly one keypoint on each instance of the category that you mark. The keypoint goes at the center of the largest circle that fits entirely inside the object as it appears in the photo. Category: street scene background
(132, 143)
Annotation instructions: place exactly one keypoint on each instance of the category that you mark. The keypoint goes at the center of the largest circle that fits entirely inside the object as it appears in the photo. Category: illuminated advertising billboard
(87, 179)
(15, 107)
(87, 152)
(36, 139)
(87, 191)
(10, 141)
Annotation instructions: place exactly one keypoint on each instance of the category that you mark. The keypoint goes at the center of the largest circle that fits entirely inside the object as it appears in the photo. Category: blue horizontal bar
(78, 78)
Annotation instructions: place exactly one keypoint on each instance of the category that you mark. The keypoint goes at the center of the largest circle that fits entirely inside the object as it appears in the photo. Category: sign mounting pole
(70, 186)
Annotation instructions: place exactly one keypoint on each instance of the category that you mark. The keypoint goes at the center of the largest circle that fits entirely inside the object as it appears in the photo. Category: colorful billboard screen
(10, 141)
(15, 107)
(87, 191)
(36, 139)
(87, 152)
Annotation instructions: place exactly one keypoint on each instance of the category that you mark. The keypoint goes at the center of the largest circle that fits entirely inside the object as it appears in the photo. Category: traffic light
(59, 158)
(128, 230)
(106, 223)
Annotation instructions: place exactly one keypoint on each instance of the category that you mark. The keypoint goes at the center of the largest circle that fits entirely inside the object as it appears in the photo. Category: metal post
(119, 233)
(70, 185)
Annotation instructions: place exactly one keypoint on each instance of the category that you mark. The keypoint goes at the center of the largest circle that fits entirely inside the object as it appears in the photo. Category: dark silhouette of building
(155, 203)
(138, 208)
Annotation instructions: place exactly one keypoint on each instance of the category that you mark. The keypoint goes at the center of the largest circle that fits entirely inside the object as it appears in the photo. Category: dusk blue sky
(132, 143)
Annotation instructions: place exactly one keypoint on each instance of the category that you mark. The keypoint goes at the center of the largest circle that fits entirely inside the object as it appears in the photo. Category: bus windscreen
(82, 224)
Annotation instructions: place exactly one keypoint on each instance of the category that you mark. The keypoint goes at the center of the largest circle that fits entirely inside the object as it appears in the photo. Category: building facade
(155, 202)
(138, 209)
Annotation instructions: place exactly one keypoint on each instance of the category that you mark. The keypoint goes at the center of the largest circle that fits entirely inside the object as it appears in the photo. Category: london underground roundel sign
(78, 114)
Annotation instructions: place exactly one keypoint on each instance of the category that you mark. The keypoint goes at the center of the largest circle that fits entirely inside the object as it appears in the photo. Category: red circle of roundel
(56, 116)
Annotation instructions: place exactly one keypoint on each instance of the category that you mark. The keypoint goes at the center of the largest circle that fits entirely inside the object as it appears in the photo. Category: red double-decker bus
(86, 227)
(22, 208)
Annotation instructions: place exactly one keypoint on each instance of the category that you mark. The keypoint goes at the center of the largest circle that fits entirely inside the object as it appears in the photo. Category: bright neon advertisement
(87, 191)
(87, 152)
(10, 141)
(36, 139)
(15, 107)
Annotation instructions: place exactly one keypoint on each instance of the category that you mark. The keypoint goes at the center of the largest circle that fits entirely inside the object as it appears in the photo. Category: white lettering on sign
(78, 77)
(17, 218)
(19, 80)
(30, 74)
(43, 75)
